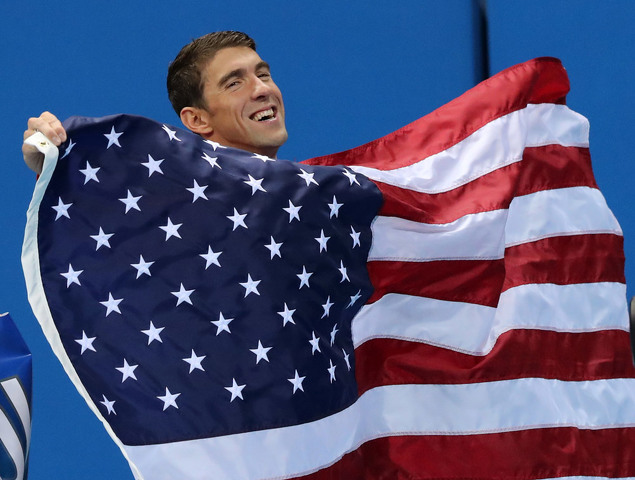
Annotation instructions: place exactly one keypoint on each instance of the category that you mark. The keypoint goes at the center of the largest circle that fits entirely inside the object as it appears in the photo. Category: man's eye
(233, 84)
(264, 75)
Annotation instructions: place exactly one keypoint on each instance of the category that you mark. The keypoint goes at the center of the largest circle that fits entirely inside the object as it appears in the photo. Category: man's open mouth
(264, 115)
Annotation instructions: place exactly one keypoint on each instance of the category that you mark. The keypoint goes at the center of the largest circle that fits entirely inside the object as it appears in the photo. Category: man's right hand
(52, 128)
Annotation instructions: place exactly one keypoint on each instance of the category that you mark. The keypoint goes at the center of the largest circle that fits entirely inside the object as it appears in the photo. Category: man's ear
(197, 120)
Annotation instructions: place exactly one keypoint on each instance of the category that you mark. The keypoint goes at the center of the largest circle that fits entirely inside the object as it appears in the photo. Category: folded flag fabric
(447, 301)
(15, 401)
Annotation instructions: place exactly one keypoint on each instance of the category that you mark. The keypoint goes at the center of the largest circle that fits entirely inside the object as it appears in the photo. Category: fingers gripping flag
(455, 290)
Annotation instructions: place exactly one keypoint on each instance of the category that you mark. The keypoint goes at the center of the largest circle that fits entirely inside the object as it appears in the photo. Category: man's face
(244, 104)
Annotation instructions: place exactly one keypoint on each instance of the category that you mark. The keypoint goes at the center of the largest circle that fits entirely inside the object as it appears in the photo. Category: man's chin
(282, 138)
(273, 140)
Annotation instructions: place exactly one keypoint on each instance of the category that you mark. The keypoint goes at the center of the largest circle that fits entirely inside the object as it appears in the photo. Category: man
(221, 89)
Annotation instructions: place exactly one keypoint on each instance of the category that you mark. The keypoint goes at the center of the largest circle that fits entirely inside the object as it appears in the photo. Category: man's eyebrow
(239, 72)
(264, 65)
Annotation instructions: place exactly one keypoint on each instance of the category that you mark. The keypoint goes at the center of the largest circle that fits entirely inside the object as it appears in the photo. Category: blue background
(349, 71)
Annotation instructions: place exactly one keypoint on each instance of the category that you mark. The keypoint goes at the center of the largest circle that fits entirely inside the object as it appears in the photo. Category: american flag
(461, 314)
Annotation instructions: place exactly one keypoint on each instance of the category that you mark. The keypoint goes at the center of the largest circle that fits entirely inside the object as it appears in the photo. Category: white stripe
(474, 329)
(11, 442)
(587, 478)
(459, 326)
(15, 392)
(565, 211)
(469, 237)
(495, 145)
(511, 405)
(479, 236)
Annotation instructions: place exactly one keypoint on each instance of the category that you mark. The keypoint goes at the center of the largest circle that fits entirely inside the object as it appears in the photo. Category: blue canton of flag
(204, 298)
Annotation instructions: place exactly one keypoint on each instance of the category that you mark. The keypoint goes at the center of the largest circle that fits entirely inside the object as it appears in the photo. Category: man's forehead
(230, 59)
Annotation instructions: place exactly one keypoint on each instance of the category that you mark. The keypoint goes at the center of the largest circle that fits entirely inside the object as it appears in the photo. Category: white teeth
(260, 115)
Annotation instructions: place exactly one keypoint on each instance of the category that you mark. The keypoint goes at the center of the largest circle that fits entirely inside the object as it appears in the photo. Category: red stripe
(566, 260)
(470, 281)
(542, 168)
(560, 260)
(489, 192)
(526, 454)
(555, 166)
(517, 354)
(541, 80)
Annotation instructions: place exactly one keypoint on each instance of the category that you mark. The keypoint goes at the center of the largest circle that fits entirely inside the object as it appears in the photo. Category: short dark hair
(185, 77)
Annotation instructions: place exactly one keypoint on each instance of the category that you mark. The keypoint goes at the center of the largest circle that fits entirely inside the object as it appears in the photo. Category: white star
(86, 342)
(213, 161)
(287, 315)
(331, 371)
(315, 344)
(102, 238)
(153, 165)
(183, 295)
(131, 202)
(351, 177)
(333, 333)
(335, 207)
(61, 209)
(195, 362)
(113, 137)
(322, 240)
(72, 276)
(90, 173)
(251, 286)
(127, 371)
(307, 177)
(222, 324)
(171, 134)
(169, 399)
(354, 298)
(255, 184)
(355, 236)
(238, 219)
(112, 304)
(197, 191)
(304, 277)
(211, 257)
(214, 145)
(327, 307)
(347, 360)
(260, 352)
(68, 149)
(297, 382)
(171, 229)
(142, 267)
(236, 390)
(342, 270)
(153, 333)
(274, 248)
(293, 211)
(109, 404)
(264, 158)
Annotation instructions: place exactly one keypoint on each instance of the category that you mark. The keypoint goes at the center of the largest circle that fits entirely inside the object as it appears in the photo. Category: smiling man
(223, 90)
(220, 88)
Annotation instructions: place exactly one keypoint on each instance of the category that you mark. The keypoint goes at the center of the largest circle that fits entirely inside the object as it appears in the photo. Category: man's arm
(52, 128)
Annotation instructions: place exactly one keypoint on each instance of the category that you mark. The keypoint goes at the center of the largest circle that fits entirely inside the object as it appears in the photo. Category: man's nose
(260, 88)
